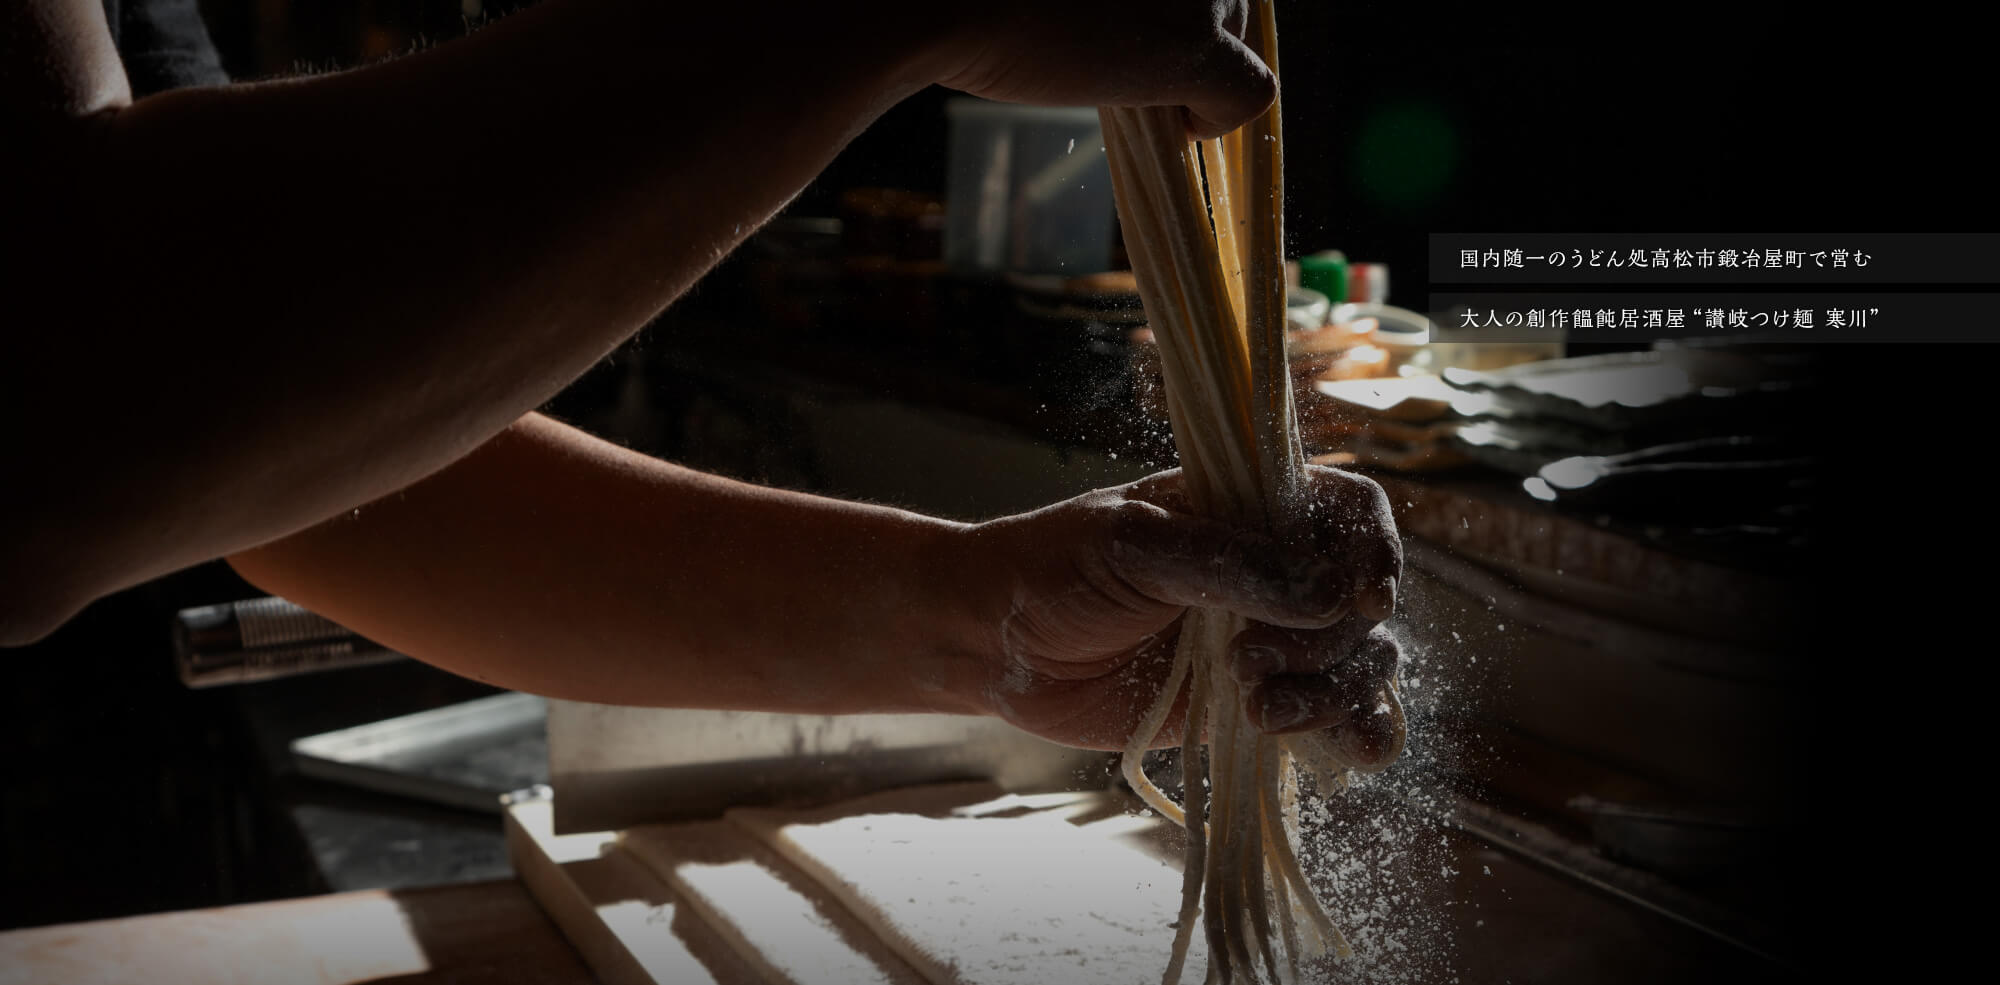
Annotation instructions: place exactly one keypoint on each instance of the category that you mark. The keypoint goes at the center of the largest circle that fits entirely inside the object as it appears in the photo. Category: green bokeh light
(1404, 155)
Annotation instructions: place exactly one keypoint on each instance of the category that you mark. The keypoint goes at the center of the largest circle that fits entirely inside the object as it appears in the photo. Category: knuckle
(1374, 499)
(1133, 521)
(1351, 496)
(1260, 84)
(1159, 489)
(1380, 506)
(1102, 499)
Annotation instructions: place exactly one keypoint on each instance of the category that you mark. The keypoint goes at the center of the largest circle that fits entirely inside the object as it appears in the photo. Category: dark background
(130, 794)
(1406, 118)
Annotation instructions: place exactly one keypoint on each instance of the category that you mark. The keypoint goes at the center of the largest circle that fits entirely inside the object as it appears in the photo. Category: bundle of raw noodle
(1212, 278)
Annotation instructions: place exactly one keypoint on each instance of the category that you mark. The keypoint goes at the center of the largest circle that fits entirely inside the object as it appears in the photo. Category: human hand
(1085, 599)
(1187, 53)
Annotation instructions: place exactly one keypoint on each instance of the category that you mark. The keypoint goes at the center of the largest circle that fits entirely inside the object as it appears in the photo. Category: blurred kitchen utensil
(264, 639)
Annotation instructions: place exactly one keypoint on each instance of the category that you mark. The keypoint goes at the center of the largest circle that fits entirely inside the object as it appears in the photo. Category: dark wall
(1403, 119)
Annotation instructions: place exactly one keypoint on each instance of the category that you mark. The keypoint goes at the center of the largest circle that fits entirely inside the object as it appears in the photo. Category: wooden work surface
(489, 932)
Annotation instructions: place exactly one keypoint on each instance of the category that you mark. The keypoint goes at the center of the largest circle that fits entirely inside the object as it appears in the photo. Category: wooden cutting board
(944, 884)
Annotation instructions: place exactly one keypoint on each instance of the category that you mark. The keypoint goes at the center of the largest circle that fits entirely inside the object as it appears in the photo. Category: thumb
(1234, 86)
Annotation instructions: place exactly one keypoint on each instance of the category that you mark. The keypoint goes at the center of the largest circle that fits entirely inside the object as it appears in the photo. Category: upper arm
(57, 60)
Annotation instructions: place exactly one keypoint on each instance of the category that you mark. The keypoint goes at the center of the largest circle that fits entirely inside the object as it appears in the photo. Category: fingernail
(1378, 602)
(1284, 708)
(1259, 662)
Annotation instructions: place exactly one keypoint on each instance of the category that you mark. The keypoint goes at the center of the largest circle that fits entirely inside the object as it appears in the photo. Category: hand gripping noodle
(1204, 227)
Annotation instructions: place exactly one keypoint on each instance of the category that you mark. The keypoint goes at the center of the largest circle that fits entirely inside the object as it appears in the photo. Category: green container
(1325, 272)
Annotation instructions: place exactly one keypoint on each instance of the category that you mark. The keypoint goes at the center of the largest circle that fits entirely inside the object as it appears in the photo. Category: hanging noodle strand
(1204, 227)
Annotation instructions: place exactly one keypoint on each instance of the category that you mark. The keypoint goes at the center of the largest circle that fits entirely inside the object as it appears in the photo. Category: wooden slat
(458, 935)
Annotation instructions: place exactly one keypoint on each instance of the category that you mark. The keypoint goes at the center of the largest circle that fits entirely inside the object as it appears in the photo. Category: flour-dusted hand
(1084, 599)
(1187, 53)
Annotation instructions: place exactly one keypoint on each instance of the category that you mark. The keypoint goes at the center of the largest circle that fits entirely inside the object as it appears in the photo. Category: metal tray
(617, 767)
(465, 755)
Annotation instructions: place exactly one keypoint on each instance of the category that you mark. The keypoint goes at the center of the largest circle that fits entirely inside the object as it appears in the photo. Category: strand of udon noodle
(1210, 271)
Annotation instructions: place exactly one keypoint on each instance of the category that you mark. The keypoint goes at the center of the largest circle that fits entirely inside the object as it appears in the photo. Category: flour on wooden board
(991, 900)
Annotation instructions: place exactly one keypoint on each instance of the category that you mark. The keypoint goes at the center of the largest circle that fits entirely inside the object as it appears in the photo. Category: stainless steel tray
(465, 755)
(617, 767)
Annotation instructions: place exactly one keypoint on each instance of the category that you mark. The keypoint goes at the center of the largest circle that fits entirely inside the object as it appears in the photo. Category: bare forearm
(278, 301)
(551, 562)
(555, 563)
(297, 296)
